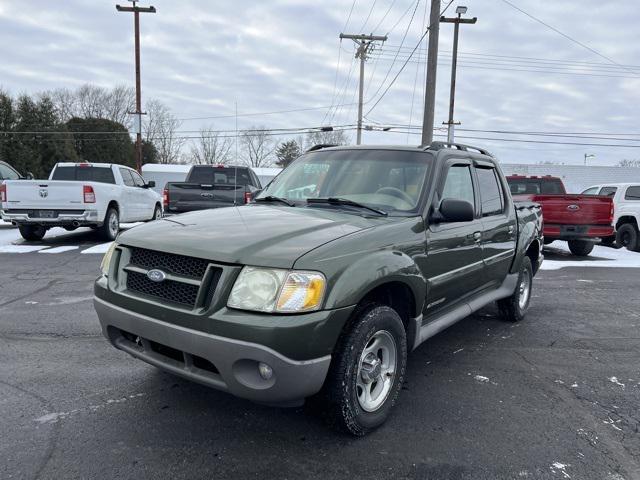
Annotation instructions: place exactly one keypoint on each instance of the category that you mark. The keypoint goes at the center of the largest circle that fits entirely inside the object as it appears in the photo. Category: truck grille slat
(181, 288)
(169, 262)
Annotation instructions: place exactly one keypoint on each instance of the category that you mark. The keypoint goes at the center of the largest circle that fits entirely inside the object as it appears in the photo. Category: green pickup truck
(348, 260)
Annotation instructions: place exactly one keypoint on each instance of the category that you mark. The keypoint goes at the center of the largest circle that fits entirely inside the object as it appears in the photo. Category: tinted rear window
(84, 174)
(206, 175)
(524, 186)
(633, 193)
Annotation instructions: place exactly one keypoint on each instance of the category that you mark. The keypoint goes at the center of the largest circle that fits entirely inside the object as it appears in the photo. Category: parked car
(7, 172)
(211, 186)
(79, 194)
(626, 202)
(581, 220)
(290, 297)
(163, 173)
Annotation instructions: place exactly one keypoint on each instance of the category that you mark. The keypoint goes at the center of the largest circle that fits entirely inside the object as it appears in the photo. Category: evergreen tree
(287, 152)
(100, 140)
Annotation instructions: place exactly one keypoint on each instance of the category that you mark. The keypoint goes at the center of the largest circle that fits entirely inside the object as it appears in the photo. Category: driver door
(454, 266)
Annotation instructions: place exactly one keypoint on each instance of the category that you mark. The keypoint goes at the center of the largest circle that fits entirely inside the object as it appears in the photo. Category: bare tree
(211, 148)
(629, 163)
(118, 103)
(65, 101)
(160, 127)
(90, 101)
(257, 147)
(335, 137)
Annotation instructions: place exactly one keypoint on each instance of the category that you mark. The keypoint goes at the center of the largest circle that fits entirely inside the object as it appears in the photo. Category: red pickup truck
(581, 220)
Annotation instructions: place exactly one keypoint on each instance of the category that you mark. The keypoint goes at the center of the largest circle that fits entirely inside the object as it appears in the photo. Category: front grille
(176, 292)
(169, 262)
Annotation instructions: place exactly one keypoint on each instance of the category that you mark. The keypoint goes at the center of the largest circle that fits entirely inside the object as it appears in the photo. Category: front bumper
(28, 217)
(219, 362)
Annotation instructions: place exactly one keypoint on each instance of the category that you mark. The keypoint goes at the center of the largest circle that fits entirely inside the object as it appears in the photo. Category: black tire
(157, 213)
(341, 389)
(32, 233)
(581, 248)
(109, 230)
(514, 308)
(627, 236)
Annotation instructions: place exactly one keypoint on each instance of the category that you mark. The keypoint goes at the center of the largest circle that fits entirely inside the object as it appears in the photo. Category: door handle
(511, 229)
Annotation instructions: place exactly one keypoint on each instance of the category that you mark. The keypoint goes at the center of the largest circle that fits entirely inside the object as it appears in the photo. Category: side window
(609, 191)
(633, 193)
(591, 191)
(127, 178)
(7, 173)
(490, 192)
(459, 184)
(137, 179)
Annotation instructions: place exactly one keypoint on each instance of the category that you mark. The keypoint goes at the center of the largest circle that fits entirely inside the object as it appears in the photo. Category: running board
(445, 320)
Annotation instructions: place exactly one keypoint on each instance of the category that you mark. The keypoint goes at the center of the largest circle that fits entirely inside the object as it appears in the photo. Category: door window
(633, 193)
(490, 192)
(127, 178)
(7, 173)
(137, 179)
(608, 191)
(459, 184)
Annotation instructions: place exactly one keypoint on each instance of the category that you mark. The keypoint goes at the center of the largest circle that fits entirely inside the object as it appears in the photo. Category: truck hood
(261, 235)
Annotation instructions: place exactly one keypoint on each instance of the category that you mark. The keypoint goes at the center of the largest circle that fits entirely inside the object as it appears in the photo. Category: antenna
(235, 170)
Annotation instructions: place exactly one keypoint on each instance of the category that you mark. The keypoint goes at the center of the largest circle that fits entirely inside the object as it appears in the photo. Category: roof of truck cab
(88, 164)
(433, 148)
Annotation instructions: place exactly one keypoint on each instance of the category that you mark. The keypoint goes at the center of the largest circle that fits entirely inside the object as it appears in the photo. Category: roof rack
(458, 146)
(320, 146)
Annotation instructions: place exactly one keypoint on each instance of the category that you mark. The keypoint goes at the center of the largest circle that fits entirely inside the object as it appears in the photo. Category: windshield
(390, 180)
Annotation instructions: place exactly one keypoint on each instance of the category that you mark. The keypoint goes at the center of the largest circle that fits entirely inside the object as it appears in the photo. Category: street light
(461, 10)
(588, 155)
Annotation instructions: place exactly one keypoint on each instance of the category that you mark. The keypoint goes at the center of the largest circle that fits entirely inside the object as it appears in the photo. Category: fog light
(266, 372)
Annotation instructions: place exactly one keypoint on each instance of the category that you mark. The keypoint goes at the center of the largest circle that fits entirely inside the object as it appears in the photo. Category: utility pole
(365, 45)
(432, 70)
(454, 63)
(588, 155)
(138, 113)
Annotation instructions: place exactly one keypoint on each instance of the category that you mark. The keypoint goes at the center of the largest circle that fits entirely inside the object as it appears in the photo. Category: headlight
(106, 260)
(273, 290)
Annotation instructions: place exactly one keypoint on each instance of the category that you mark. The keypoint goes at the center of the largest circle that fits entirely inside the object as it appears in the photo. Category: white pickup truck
(626, 208)
(95, 195)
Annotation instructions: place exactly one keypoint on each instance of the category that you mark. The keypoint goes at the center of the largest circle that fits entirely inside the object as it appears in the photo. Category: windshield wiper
(272, 198)
(345, 201)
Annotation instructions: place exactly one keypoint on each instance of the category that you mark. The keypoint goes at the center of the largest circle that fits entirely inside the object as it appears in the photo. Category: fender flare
(359, 278)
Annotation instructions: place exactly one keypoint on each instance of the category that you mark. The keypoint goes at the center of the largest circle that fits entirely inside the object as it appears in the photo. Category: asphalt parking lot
(556, 396)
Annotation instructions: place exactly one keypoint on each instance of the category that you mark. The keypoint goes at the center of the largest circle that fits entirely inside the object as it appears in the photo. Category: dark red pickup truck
(581, 220)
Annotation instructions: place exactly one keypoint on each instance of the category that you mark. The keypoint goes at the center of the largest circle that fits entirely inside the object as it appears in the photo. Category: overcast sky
(200, 58)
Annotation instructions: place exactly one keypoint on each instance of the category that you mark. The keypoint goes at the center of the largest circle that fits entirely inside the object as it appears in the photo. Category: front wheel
(580, 248)
(157, 213)
(32, 233)
(514, 308)
(111, 225)
(367, 371)
(627, 236)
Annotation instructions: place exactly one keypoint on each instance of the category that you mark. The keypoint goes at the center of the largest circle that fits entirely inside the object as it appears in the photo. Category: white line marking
(60, 249)
(102, 248)
(21, 248)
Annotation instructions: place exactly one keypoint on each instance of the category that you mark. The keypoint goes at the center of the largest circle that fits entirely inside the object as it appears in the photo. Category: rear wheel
(157, 213)
(32, 233)
(581, 248)
(514, 308)
(111, 225)
(627, 236)
(367, 371)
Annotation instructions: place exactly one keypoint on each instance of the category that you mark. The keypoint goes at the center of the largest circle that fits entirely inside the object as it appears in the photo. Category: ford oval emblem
(156, 275)
(573, 207)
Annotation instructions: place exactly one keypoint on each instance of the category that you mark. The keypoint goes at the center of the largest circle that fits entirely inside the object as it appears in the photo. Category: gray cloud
(202, 57)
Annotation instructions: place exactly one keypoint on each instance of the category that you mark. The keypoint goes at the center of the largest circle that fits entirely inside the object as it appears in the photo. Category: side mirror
(29, 176)
(452, 210)
(151, 184)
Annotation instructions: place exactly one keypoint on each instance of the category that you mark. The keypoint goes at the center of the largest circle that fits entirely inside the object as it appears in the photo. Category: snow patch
(600, 257)
(560, 467)
(481, 378)
(616, 381)
(21, 248)
(102, 248)
(59, 249)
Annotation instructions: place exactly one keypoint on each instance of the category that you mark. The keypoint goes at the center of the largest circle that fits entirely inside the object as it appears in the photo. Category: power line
(407, 61)
(384, 17)
(559, 32)
(373, 6)
(258, 114)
